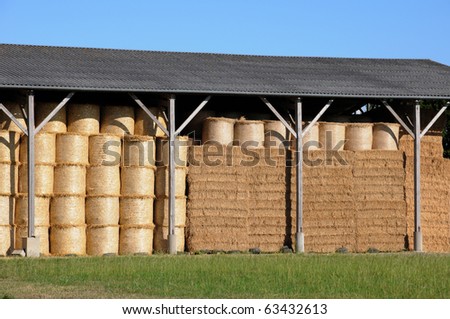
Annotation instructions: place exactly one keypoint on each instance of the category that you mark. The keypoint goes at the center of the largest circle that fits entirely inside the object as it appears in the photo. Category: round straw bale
(138, 151)
(144, 125)
(311, 139)
(68, 240)
(138, 181)
(117, 120)
(103, 181)
(41, 212)
(83, 118)
(67, 210)
(358, 136)
(332, 135)
(70, 180)
(9, 147)
(104, 149)
(181, 151)
(101, 240)
(162, 181)
(136, 239)
(249, 133)
(72, 148)
(7, 239)
(102, 210)
(43, 178)
(136, 210)
(197, 123)
(45, 149)
(6, 123)
(9, 179)
(275, 134)
(58, 123)
(161, 217)
(40, 231)
(385, 136)
(7, 206)
(161, 240)
(218, 130)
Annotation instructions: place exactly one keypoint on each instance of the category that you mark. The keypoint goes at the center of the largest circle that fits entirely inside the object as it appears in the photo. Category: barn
(106, 152)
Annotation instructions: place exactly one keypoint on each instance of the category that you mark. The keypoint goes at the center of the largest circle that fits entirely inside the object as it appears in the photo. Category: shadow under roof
(67, 68)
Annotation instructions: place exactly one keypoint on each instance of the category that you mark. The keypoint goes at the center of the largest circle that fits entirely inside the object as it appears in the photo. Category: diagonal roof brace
(150, 114)
(278, 115)
(13, 118)
(53, 113)
(399, 119)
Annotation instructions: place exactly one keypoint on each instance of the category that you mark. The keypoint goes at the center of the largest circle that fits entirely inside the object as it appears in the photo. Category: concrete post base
(418, 241)
(172, 244)
(299, 243)
(31, 245)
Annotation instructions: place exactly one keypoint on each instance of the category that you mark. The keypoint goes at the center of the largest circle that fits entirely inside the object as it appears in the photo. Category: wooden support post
(299, 236)
(172, 137)
(417, 224)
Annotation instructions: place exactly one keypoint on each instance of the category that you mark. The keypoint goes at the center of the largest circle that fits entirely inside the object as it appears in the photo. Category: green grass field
(403, 275)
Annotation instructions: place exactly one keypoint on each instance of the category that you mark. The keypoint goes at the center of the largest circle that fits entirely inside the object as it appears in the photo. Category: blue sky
(340, 28)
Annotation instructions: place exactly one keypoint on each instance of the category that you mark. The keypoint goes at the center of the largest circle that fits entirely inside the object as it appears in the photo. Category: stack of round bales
(137, 195)
(103, 192)
(83, 118)
(45, 158)
(9, 159)
(161, 216)
(67, 211)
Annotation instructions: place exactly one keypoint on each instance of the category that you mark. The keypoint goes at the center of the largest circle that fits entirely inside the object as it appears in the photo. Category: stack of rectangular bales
(161, 214)
(329, 206)
(269, 225)
(137, 195)
(378, 178)
(9, 159)
(218, 208)
(434, 192)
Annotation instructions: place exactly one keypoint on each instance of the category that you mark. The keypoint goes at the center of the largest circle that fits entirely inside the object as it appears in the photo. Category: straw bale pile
(435, 217)
(379, 199)
(57, 124)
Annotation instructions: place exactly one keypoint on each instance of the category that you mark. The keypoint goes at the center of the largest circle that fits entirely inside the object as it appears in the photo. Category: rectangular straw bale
(9, 184)
(44, 149)
(217, 221)
(218, 195)
(40, 231)
(200, 205)
(9, 147)
(43, 177)
(378, 171)
(377, 181)
(41, 213)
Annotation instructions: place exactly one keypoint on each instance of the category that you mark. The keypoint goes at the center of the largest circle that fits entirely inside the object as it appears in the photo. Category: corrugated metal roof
(24, 66)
